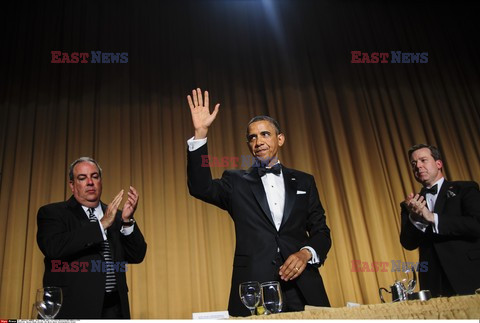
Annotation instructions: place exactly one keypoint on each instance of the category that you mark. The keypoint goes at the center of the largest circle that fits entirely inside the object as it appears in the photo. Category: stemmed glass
(49, 301)
(272, 297)
(250, 294)
(34, 315)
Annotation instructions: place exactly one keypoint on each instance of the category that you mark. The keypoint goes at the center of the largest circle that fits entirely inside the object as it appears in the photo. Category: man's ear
(71, 185)
(439, 164)
(281, 139)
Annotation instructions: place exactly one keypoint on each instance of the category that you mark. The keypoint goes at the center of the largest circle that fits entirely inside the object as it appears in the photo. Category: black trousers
(112, 307)
(293, 300)
(439, 284)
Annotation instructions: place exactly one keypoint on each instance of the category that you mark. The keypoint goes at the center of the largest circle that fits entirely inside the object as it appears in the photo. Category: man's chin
(422, 181)
(265, 160)
(93, 199)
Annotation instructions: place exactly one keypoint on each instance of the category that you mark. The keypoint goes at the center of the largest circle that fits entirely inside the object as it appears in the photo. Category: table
(457, 307)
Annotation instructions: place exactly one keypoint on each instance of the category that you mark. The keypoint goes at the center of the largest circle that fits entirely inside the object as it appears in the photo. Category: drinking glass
(250, 294)
(272, 297)
(34, 315)
(49, 301)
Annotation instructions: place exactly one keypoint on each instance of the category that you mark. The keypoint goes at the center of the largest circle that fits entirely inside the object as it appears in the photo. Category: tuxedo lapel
(290, 193)
(256, 186)
(77, 210)
(441, 198)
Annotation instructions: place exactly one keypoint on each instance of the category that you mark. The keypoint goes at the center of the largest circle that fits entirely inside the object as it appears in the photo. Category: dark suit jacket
(456, 249)
(66, 234)
(241, 193)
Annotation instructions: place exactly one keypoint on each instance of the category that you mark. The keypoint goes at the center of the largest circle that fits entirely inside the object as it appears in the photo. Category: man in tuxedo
(443, 221)
(280, 225)
(87, 245)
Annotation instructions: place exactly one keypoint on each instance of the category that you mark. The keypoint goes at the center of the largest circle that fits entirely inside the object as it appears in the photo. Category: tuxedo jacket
(65, 234)
(242, 194)
(456, 248)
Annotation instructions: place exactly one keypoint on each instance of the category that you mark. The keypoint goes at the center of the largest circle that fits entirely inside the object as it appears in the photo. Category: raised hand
(130, 205)
(109, 215)
(201, 116)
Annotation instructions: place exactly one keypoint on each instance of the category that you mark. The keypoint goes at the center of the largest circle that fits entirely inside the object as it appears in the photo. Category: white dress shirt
(431, 200)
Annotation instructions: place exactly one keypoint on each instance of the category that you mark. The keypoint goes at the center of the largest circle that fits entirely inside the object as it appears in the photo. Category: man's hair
(433, 150)
(81, 160)
(265, 118)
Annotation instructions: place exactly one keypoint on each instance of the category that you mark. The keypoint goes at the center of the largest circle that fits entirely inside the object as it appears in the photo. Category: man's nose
(89, 181)
(418, 167)
(259, 142)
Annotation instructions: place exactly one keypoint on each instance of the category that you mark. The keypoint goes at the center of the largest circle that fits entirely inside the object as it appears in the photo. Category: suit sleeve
(134, 245)
(319, 233)
(200, 182)
(57, 241)
(410, 236)
(461, 215)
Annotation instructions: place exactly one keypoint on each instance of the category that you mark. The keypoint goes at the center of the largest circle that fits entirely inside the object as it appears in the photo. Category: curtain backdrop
(347, 124)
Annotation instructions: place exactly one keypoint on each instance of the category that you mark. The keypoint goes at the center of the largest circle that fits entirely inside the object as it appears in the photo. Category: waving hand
(201, 116)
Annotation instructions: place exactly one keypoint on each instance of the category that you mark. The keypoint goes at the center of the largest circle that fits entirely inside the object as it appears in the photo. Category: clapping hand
(128, 209)
(130, 205)
(109, 215)
(417, 206)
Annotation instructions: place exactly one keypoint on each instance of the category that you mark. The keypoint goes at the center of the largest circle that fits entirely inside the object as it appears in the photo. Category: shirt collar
(98, 209)
(439, 183)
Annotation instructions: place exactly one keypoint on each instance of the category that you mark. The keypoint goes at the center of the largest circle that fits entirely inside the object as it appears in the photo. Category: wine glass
(49, 301)
(250, 294)
(272, 297)
(34, 315)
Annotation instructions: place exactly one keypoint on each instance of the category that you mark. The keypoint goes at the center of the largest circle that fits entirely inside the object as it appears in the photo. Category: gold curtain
(347, 124)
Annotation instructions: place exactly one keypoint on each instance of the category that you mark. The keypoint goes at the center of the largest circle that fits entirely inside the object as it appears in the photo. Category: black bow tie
(432, 190)
(275, 169)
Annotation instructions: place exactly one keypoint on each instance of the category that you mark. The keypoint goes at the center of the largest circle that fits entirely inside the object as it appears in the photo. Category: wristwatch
(129, 223)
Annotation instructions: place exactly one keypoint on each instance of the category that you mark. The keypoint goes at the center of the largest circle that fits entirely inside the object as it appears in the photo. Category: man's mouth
(422, 175)
(258, 151)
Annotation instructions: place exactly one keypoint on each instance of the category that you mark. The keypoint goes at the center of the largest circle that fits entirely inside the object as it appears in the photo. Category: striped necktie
(110, 281)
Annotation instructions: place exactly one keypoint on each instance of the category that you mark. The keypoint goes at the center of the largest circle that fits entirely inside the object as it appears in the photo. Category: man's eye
(81, 178)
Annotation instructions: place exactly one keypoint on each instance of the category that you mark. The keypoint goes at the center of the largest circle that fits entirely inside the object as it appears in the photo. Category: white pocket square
(301, 192)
